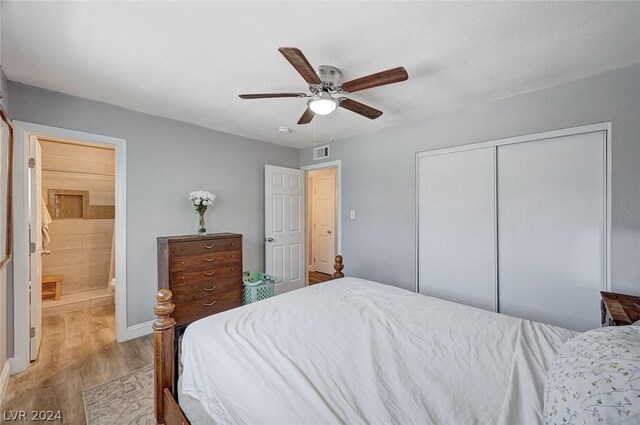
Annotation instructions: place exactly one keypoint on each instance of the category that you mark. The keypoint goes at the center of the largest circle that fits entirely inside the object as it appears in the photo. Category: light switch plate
(352, 214)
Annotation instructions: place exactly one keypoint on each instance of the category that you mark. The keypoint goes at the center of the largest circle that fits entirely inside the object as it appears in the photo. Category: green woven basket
(257, 286)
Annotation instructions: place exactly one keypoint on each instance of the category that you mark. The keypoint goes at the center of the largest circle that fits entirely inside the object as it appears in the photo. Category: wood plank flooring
(78, 351)
(317, 277)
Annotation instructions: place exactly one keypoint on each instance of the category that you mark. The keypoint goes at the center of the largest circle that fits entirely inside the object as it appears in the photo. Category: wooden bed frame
(167, 409)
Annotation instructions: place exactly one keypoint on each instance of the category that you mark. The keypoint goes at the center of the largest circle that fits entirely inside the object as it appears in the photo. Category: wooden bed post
(163, 334)
(338, 266)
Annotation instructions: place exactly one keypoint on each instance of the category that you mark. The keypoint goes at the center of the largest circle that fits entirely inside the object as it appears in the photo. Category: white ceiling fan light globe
(323, 104)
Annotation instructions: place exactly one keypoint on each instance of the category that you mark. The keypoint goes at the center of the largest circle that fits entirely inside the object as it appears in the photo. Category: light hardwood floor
(78, 351)
(317, 277)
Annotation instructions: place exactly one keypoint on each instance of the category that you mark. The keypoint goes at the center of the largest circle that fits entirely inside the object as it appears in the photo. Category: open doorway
(71, 227)
(69, 258)
(78, 197)
(323, 220)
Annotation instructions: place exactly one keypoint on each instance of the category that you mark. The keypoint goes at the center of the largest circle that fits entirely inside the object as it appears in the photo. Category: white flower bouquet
(201, 200)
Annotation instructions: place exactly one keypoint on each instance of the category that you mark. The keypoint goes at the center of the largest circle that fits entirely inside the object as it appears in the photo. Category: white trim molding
(590, 128)
(4, 381)
(141, 329)
(21, 318)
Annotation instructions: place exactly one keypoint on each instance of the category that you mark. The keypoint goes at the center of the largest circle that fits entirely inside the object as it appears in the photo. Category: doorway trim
(21, 313)
(337, 164)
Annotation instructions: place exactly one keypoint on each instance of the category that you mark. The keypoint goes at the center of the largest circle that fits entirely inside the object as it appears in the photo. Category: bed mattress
(192, 408)
(355, 351)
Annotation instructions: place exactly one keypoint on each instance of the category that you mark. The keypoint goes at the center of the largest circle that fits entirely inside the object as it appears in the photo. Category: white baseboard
(4, 380)
(139, 330)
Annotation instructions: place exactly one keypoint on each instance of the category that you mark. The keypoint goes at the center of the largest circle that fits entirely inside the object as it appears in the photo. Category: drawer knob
(209, 304)
(182, 262)
(181, 248)
(208, 260)
(209, 246)
(233, 243)
(233, 270)
(182, 277)
(210, 289)
(209, 274)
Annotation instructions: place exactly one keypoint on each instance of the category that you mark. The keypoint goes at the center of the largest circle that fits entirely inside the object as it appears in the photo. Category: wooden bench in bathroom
(52, 286)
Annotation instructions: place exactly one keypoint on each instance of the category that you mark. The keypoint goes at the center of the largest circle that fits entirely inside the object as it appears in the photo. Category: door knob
(45, 252)
(268, 239)
(329, 231)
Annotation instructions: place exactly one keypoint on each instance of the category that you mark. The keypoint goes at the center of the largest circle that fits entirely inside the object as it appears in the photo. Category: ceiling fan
(326, 82)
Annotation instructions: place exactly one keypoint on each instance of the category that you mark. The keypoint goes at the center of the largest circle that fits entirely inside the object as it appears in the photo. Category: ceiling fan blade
(301, 64)
(306, 117)
(378, 79)
(360, 108)
(271, 95)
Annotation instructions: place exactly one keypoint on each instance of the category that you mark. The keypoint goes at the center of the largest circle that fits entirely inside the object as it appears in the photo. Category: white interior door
(324, 223)
(456, 218)
(35, 231)
(552, 229)
(284, 215)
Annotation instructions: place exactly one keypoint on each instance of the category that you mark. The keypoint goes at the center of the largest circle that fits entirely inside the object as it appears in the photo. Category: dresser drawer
(207, 260)
(179, 249)
(204, 273)
(190, 292)
(188, 312)
(207, 274)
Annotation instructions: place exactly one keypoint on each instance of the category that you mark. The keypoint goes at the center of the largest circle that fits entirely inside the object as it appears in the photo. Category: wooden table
(619, 309)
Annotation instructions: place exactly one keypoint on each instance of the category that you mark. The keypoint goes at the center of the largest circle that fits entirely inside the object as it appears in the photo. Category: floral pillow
(595, 379)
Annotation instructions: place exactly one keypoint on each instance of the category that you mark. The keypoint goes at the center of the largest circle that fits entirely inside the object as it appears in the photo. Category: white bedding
(355, 351)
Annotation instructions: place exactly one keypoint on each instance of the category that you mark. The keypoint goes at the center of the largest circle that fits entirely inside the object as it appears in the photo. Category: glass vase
(202, 227)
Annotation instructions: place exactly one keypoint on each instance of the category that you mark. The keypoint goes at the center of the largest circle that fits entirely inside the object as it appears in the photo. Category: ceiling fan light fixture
(322, 104)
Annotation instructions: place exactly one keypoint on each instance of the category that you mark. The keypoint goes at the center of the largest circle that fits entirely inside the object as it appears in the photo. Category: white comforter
(355, 351)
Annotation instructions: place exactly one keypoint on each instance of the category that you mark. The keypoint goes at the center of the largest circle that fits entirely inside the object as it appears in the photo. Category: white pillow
(595, 379)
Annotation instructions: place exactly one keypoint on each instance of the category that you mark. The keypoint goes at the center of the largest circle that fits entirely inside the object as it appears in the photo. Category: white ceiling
(189, 61)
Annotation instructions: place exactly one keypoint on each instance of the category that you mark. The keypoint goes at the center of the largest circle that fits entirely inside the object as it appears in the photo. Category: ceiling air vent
(321, 152)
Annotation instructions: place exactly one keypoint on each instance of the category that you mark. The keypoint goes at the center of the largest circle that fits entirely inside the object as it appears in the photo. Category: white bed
(356, 351)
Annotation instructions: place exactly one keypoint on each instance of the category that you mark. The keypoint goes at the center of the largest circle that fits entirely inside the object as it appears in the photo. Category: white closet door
(551, 229)
(456, 204)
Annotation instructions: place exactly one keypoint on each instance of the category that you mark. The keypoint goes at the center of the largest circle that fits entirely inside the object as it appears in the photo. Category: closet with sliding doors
(518, 226)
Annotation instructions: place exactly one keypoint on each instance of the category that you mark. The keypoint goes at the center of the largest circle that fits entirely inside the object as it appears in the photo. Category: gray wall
(166, 160)
(379, 170)
(4, 89)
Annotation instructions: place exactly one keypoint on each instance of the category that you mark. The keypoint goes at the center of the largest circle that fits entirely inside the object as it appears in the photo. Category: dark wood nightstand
(619, 309)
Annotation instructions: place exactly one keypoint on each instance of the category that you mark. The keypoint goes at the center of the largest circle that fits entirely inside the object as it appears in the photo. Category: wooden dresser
(204, 273)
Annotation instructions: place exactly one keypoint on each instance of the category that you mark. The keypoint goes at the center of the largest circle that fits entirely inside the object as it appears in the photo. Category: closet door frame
(590, 128)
